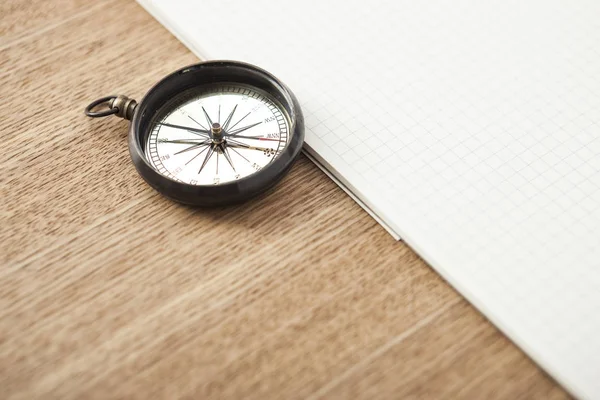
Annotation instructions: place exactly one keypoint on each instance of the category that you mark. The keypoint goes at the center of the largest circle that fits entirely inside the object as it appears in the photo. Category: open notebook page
(471, 128)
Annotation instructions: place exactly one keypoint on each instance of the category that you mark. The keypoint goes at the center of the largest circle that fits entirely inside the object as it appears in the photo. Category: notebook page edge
(324, 166)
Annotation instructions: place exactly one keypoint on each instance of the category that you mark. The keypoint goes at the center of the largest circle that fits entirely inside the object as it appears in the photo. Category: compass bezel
(198, 76)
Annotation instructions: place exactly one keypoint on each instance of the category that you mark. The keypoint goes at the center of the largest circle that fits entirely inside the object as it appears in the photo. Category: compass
(213, 133)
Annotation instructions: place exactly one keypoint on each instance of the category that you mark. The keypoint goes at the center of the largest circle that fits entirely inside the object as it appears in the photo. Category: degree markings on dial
(224, 100)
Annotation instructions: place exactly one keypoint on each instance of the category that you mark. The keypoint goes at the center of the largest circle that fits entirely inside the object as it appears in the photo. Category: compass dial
(217, 135)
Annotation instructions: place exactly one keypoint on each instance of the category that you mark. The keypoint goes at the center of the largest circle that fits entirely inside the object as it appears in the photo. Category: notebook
(470, 129)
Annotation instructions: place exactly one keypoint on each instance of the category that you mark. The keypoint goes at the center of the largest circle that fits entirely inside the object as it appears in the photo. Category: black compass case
(197, 76)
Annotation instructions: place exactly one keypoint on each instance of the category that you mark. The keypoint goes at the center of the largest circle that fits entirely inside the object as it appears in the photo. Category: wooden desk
(109, 290)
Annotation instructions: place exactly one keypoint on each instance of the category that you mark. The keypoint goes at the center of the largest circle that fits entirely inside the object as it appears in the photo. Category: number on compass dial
(217, 136)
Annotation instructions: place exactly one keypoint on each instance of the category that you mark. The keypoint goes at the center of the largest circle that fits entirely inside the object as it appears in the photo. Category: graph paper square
(470, 128)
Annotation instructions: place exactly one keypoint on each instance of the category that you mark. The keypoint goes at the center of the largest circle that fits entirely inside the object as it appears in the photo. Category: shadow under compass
(299, 200)
(283, 226)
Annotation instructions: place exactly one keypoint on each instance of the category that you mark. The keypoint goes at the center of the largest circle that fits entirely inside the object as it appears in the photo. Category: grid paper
(471, 128)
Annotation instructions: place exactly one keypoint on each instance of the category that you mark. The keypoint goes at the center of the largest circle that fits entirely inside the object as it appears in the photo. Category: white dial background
(255, 131)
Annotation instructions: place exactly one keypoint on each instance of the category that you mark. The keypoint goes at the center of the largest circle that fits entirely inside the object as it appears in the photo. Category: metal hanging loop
(121, 106)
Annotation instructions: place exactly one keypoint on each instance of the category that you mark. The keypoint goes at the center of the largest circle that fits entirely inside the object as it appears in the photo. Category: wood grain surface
(108, 290)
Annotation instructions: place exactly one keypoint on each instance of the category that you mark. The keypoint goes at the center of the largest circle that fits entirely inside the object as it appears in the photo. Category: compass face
(217, 135)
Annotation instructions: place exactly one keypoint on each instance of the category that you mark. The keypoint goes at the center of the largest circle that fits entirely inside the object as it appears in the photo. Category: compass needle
(240, 154)
(227, 156)
(257, 138)
(199, 124)
(228, 119)
(200, 132)
(246, 146)
(180, 141)
(234, 125)
(239, 130)
(193, 158)
(193, 147)
(210, 152)
(210, 123)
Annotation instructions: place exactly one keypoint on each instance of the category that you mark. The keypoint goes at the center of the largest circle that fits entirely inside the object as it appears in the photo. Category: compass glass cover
(216, 135)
